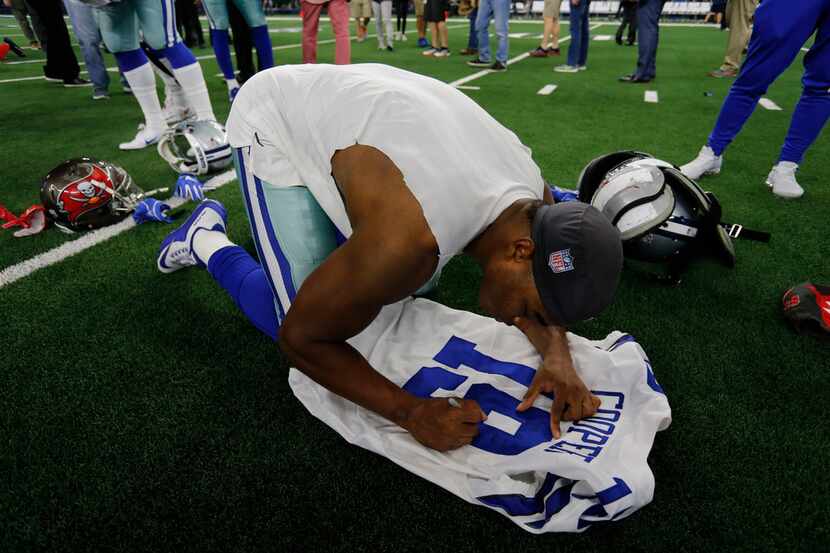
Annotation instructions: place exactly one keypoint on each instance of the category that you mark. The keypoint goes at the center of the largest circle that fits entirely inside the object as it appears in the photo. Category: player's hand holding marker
(572, 400)
(444, 424)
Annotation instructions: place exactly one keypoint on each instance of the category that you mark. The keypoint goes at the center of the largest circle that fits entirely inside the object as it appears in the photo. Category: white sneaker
(442, 53)
(176, 251)
(143, 138)
(403, 37)
(566, 69)
(706, 163)
(782, 180)
(429, 52)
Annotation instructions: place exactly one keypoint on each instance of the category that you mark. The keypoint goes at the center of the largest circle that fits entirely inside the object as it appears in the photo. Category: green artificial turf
(140, 411)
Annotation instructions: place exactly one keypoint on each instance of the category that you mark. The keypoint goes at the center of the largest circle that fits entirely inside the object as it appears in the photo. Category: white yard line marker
(651, 97)
(517, 35)
(766, 103)
(91, 238)
(463, 87)
(603, 38)
(546, 90)
(805, 49)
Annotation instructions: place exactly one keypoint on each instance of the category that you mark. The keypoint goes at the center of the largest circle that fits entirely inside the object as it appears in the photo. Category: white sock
(143, 84)
(786, 166)
(232, 84)
(192, 80)
(173, 93)
(208, 242)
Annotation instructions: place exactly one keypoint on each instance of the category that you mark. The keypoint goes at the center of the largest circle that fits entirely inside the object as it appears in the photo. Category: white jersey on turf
(462, 165)
(596, 472)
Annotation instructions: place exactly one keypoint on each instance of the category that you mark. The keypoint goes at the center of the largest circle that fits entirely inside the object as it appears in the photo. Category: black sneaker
(76, 82)
(478, 62)
(390, 49)
(14, 47)
(498, 66)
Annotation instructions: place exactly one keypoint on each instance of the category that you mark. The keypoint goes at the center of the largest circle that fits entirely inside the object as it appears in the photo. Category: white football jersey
(596, 472)
(462, 165)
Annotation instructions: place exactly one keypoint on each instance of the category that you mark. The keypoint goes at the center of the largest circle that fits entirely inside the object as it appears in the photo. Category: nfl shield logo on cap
(561, 261)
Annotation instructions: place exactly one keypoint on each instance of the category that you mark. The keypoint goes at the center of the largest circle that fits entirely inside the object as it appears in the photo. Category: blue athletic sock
(222, 49)
(262, 43)
(810, 116)
(179, 55)
(246, 282)
(127, 61)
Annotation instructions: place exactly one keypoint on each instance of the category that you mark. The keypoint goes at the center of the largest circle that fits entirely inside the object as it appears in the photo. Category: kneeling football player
(355, 204)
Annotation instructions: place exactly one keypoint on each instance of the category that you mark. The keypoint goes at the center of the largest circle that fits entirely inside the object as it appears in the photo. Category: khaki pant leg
(739, 14)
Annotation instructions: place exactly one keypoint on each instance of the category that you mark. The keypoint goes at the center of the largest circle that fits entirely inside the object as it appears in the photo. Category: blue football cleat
(176, 251)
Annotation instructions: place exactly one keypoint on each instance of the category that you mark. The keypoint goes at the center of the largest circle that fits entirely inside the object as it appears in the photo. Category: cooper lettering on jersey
(585, 438)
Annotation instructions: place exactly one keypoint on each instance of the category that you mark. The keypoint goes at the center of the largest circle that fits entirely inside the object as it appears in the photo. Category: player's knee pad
(179, 55)
(127, 61)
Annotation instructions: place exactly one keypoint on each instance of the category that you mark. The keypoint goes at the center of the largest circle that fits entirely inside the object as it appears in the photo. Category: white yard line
(766, 103)
(603, 38)
(547, 90)
(90, 239)
(462, 87)
(651, 97)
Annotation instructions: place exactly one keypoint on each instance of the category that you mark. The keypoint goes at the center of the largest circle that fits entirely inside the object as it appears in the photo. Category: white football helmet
(197, 147)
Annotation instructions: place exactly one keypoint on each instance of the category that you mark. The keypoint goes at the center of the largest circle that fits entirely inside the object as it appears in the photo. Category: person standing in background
(382, 10)
(338, 17)
(550, 35)
(739, 18)
(362, 13)
(89, 38)
(401, 11)
(782, 27)
(190, 29)
(436, 15)
(20, 13)
(217, 13)
(469, 8)
(61, 63)
(243, 45)
(580, 38)
(628, 8)
(500, 11)
(648, 27)
(421, 23)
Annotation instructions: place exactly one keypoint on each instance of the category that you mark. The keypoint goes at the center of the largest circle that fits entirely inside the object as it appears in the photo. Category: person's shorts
(419, 8)
(551, 8)
(361, 8)
(436, 10)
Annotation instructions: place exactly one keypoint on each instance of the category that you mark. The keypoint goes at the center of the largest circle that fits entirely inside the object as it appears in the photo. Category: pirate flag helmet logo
(84, 193)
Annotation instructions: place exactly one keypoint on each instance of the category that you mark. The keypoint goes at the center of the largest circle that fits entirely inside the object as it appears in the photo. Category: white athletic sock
(192, 80)
(173, 93)
(208, 242)
(232, 84)
(143, 84)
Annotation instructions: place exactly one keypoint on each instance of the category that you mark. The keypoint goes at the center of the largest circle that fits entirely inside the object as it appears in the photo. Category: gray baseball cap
(577, 261)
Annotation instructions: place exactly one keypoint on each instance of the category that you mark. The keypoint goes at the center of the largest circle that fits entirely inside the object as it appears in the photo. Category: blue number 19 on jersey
(534, 424)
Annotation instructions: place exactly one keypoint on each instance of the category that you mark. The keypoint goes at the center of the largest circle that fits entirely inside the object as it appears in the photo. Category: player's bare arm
(390, 254)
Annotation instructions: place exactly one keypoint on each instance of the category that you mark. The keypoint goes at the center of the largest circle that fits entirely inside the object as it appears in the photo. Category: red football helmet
(83, 194)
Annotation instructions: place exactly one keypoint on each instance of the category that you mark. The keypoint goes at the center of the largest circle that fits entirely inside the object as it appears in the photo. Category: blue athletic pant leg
(291, 232)
(217, 14)
(246, 282)
(780, 30)
(813, 109)
(119, 26)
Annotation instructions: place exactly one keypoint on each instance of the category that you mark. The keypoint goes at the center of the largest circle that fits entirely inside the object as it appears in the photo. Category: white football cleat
(176, 251)
(782, 180)
(143, 138)
(706, 163)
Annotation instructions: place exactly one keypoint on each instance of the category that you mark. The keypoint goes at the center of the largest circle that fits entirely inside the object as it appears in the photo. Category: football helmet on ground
(198, 147)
